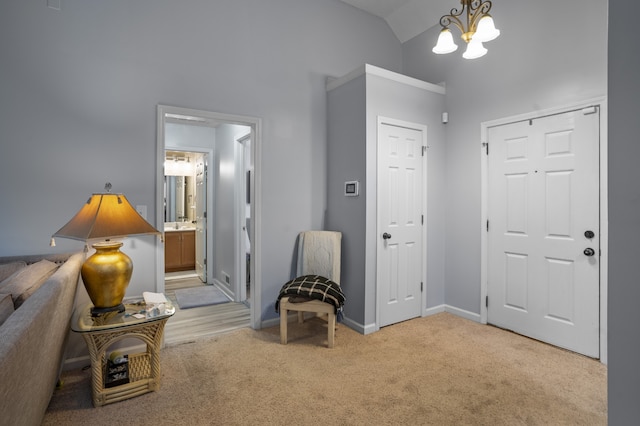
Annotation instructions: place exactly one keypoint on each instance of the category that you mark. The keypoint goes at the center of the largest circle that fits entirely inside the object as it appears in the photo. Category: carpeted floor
(439, 370)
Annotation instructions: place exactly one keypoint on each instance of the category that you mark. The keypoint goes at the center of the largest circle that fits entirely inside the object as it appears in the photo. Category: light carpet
(195, 297)
(438, 370)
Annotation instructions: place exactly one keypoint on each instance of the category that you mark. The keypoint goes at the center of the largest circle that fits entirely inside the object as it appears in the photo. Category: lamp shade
(445, 43)
(475, 49)
(105, 215)
(486, 30)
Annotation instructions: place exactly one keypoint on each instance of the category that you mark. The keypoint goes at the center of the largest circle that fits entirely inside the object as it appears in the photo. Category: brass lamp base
(106, 276)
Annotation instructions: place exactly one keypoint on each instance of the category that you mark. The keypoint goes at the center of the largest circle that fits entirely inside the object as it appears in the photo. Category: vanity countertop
(182, 229)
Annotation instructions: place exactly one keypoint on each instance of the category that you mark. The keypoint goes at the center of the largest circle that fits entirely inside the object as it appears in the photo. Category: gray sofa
(33, 339)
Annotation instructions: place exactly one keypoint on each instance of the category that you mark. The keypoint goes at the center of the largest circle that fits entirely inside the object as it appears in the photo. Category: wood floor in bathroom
(188, 325)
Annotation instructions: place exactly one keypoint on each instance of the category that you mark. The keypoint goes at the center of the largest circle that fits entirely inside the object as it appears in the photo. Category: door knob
(386, 236)
(589, 234)
(589, 251)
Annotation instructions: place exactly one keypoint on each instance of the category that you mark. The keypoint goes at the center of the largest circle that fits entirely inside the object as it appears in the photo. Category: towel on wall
(319, 254)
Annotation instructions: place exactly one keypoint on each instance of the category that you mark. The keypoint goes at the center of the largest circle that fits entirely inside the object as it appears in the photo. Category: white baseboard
(360, 328)
(462, 313)
(370, 328)
(272, 322)
(76, 363)
(435, 310)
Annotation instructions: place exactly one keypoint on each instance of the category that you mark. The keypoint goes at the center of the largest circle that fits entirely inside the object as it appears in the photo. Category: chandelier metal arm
(475, 10)
(453, 18)
(479, 10)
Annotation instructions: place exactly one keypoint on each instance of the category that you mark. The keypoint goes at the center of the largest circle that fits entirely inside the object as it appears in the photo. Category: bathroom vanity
(179, 249)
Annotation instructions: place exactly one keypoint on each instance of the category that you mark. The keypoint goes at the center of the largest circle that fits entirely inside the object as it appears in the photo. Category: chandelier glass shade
(476, 27)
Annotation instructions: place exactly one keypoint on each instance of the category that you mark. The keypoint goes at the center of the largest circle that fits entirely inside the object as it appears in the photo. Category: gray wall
(80, 86)
(624, 214)
(550, 54)
(346, 149)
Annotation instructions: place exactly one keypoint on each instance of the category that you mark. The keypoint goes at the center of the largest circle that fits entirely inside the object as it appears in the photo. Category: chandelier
(475, 24)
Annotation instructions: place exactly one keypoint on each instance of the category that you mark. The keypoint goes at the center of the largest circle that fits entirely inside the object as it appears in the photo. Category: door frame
(255, 124)
(601, 103)
(382, 120)
(240, 216)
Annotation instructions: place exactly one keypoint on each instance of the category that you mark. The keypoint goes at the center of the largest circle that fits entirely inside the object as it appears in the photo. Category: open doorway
(185, 207)
(216, 201)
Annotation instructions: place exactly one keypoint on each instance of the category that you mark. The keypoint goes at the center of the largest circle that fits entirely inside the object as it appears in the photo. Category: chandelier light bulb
(475, 49)
(445, 43)
(486, 30)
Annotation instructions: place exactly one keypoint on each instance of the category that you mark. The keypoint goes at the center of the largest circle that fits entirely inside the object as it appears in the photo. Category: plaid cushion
(314, 287)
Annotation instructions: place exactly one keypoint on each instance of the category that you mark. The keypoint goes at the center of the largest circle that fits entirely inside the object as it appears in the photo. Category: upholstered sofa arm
(32, 345)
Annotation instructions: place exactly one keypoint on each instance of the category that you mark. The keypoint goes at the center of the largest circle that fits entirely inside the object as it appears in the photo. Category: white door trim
(240, 218)
(423, 129)
(601, 102)
(256, 195)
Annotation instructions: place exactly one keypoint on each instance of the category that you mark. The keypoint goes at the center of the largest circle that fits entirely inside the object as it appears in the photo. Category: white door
(242, 215)
(400, 253)
(201, 216)
(543, 229)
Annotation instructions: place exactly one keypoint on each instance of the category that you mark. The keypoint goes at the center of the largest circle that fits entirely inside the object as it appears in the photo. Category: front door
(543, 229)
(401, 254)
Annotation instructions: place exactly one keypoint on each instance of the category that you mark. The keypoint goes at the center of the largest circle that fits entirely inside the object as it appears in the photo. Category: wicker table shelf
(103, 331)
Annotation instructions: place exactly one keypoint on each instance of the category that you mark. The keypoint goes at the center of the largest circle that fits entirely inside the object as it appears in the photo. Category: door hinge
(205, 214)
(486, 146)
(421, 287)
(422, 219)
(205, 261)
(424, 149)
(486, 301)
(487, 225)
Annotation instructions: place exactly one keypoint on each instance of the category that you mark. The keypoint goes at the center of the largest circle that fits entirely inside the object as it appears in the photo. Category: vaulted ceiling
(407, 18)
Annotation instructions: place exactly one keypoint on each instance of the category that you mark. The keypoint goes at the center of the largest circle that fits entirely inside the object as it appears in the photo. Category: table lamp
(107, 272)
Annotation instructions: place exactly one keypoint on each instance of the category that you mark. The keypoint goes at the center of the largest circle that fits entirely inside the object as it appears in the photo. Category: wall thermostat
(351, 188)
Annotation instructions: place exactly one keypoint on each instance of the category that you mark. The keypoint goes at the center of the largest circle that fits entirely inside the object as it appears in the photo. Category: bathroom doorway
(185, 207)
(226, 146)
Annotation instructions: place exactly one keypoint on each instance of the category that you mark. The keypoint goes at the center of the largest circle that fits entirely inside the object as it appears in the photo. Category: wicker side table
(143, 368)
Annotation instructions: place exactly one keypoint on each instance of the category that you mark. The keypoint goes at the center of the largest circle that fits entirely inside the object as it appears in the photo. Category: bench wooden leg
(283, 325)
(331, 325)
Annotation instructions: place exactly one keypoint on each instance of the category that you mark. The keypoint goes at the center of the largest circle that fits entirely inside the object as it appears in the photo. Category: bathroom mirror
(179, 187)
(177, 199)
